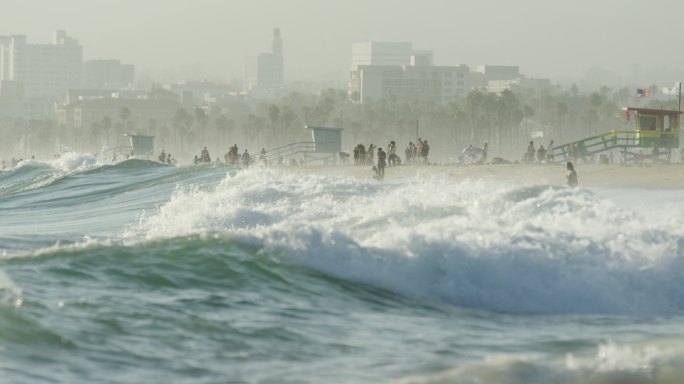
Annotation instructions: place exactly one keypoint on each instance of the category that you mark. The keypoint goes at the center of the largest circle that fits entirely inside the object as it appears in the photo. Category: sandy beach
(649, 176)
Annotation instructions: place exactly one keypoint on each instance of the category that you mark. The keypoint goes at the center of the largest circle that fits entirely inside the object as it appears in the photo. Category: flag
(642, 92)
(627, 114)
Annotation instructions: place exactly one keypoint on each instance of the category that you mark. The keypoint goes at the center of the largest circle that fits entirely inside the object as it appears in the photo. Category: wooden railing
(607, 141)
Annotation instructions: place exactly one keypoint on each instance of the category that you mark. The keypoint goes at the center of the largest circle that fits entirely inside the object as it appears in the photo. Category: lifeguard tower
(655, 126)
(141, 145)
(326, 147)
(655, 134)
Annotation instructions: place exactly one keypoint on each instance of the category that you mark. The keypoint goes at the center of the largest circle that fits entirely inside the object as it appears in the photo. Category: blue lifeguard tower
(325, 146)
(141, 145)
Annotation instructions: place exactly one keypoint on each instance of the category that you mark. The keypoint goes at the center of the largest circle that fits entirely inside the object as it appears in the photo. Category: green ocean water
(143, 273)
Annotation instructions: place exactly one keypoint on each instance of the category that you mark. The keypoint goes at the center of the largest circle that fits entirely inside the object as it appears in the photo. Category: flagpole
(679, 108)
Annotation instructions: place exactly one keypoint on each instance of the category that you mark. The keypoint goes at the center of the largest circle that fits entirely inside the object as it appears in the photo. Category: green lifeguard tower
(656, 130)
(655, 126)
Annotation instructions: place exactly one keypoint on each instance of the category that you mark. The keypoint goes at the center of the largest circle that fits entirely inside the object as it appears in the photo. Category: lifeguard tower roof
(652, 111)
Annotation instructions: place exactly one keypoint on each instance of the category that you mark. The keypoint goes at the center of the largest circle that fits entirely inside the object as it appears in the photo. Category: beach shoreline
(647, 176)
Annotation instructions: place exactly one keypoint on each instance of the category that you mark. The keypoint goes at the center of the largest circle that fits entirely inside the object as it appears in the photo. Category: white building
(519, 84)
(383, 53)
(407, 82)
(388, 53)
(41, 70)
(264, 74)
(485, 73)
(395, 69)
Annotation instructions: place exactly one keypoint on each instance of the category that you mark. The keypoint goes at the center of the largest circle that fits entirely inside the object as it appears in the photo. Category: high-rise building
(41, 70)
(264, 74)
(485, 73)
(395, 69)
(107, 74)
(380, 54)
(388, 53)
(439, 84)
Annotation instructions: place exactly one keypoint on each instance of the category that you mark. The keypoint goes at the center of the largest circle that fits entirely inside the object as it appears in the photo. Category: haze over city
(328, 191)
(191, 40)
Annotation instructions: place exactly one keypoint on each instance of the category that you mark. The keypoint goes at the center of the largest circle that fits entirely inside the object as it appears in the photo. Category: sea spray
(477, 244)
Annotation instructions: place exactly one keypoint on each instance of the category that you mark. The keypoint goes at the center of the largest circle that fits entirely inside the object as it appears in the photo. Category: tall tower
(264, 73)
(277, 43)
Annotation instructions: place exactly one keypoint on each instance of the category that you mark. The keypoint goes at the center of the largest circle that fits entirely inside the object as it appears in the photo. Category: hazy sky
(210, 38)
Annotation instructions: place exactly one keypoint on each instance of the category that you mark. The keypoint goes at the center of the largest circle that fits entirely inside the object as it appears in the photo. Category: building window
(647, 123)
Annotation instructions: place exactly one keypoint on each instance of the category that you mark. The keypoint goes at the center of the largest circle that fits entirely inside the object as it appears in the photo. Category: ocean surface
(139, 272)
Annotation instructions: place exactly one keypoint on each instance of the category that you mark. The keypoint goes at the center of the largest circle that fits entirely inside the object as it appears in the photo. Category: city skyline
(558, 40)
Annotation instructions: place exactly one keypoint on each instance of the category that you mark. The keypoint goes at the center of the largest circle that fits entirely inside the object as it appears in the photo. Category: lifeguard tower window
(667, 127)
(647, 123)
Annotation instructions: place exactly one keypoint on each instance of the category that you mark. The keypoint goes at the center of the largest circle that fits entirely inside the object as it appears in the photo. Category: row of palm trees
(506, 120)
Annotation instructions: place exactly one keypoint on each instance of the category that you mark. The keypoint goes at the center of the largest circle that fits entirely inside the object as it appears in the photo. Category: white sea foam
(73, 161)
(9, 291)
(645, 363)
(479, 244)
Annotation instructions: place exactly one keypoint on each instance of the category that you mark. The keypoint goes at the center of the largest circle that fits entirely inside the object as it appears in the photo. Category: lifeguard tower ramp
(656, 133)
(325, 146)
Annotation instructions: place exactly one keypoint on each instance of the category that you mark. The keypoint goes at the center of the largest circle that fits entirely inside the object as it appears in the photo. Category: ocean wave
(476, 244)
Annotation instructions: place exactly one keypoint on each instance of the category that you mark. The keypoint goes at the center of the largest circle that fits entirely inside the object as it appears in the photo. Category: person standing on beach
(654, 153)
(485, 148)
(381, 162)
(549, 152)
(408, 151)
(245, 159)
(541, 154)
(571, 175)
(529, 155)
(424, 152)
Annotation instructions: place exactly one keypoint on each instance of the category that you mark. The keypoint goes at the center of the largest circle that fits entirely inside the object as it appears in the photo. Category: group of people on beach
(417, 153)
(538, 155)
(4, 164)
(414, 153)
(233, 157)
(166, 158)
(203, 158)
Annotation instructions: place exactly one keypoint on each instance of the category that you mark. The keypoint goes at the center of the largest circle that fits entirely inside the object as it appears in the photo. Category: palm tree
(273, 116)
(474, 102)
(94, 133)
(152, 126)
(179, 120)
(106, 124)
(253, 126)
(125, 114)
(562, 110)
(221, 124)
(202, 120)
(163, 134)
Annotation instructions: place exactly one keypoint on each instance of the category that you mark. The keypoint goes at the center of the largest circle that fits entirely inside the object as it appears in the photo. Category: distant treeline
(507, 121)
